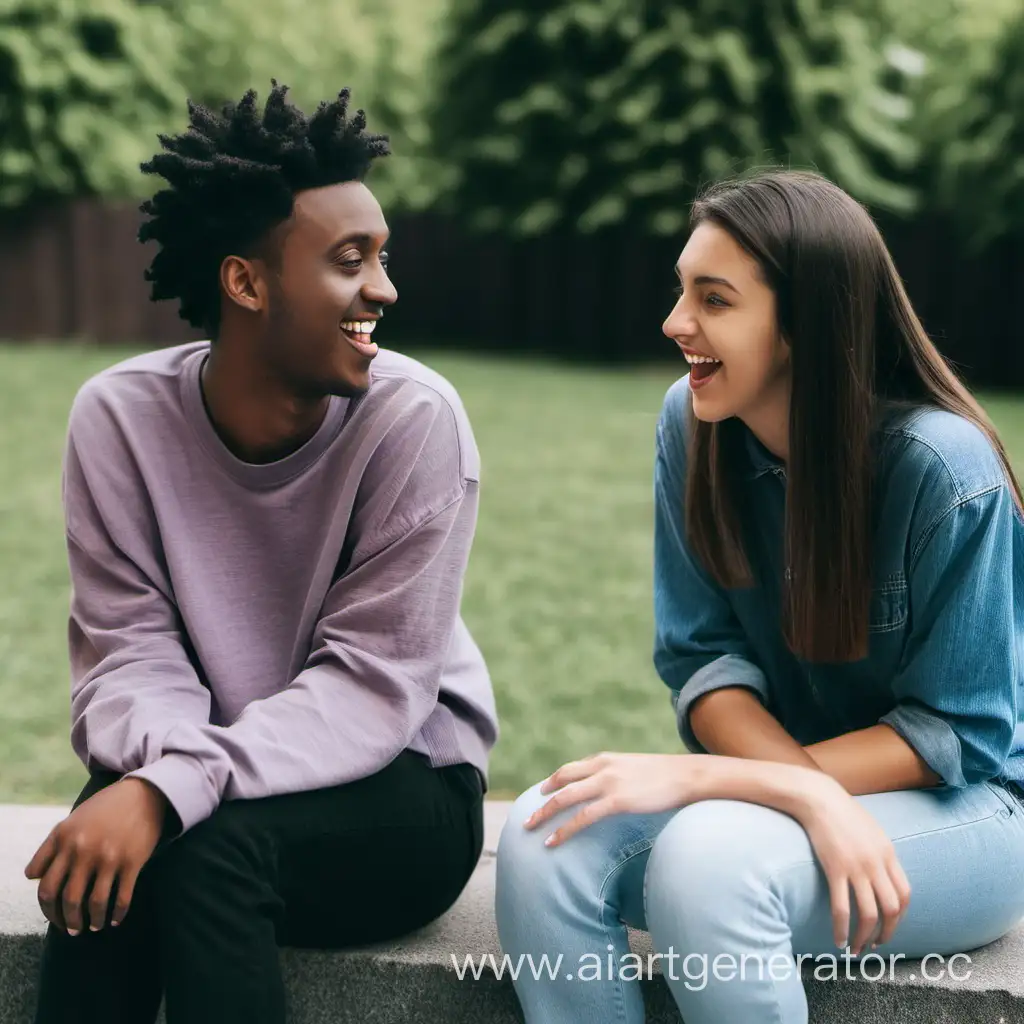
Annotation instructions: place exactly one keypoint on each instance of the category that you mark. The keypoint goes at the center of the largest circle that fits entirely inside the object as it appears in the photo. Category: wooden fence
(76, 272)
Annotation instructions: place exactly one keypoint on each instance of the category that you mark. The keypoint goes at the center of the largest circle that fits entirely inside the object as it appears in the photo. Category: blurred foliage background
(529, 114)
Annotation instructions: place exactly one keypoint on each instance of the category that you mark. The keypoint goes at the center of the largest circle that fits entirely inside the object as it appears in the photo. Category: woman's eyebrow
(707, 279)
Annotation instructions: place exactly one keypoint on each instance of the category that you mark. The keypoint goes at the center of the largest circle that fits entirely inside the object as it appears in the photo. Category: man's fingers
(99, 898)
(568, 796)
(125, 891)
(43, 857)
(50, 889)
(73, 895)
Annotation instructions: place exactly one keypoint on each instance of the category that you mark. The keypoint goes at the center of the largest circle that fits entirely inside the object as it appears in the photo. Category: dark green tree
(85, 85)
(590, 112)
(974, 133)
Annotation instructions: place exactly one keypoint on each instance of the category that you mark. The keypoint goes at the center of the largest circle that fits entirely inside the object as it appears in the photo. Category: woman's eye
(356, 262)
(712, 298)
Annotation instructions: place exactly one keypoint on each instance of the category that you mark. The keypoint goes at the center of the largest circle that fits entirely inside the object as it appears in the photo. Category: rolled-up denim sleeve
(699, 643)
(956, 689)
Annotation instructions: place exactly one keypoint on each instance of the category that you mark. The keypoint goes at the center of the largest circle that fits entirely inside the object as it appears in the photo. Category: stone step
(414, 979)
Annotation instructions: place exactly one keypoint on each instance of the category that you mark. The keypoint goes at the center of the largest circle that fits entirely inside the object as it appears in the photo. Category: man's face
(331, 280)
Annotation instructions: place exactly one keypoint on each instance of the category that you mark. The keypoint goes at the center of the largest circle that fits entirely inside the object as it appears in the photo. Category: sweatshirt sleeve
(699, 643)
(133, 683)
(381, 643)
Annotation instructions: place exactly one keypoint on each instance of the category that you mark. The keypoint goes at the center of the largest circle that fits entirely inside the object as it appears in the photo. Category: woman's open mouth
(702, 369)
(357, 334)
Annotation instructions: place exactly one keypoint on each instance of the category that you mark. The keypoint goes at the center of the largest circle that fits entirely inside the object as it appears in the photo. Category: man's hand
(105, 840)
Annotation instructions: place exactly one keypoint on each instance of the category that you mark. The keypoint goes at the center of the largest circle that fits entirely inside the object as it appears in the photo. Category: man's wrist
(154, 794)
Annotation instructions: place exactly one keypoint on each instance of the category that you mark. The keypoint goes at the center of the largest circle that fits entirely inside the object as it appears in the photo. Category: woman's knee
(600, 866)
(521, 850)
(716, 851)
(524, 862)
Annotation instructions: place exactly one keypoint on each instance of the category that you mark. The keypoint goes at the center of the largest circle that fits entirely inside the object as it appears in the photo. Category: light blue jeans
(734, 891)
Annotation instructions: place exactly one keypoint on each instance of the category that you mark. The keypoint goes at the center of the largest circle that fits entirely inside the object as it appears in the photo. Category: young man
(286, 722)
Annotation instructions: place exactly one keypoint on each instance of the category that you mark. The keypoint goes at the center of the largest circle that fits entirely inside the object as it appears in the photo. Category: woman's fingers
(889, 906)
(900, 881)
(573, 771)
(574, 793)
(587, 816)
(867, 912)
(839, 888)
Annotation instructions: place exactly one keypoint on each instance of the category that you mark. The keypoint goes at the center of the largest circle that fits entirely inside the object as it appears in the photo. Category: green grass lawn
(558, 593)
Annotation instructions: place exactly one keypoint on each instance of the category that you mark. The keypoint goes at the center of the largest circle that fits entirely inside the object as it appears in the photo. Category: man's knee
(226, 843)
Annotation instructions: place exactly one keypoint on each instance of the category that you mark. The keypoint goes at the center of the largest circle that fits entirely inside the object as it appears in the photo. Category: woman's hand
(619, 783)
(855, 853)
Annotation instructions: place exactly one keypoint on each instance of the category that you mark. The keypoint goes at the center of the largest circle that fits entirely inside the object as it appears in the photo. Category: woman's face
(725, 323)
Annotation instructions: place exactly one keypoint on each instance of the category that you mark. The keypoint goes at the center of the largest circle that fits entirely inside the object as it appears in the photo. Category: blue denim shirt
(946, 652)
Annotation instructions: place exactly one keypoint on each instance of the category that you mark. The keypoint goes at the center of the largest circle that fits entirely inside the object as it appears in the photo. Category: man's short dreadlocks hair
(232, 178)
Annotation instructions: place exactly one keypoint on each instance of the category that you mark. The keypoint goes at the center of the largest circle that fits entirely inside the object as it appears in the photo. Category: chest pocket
(890, 602)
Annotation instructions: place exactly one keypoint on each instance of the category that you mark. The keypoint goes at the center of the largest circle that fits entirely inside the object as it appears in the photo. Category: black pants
(329, 868)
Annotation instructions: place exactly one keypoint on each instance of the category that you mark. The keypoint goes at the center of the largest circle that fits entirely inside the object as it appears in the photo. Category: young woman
(839, 603)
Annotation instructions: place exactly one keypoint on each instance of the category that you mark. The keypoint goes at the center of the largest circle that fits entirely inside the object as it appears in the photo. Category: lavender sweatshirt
(240, 630)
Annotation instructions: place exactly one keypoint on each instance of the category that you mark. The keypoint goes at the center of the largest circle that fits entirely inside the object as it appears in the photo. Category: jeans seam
(1004, 795)
(631, 851)
(766, 891)
(949, 828)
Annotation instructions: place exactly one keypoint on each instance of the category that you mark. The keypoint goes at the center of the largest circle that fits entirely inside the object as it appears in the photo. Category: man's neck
(256, 417)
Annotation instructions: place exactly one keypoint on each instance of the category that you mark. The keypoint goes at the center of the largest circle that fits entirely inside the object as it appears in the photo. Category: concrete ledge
(413, 980)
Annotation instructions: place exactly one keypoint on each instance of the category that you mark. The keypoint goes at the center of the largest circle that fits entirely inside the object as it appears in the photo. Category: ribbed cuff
(728, 670)
(182, 779)
(932, 737)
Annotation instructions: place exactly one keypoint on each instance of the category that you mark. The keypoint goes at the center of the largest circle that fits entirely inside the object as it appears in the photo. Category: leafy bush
(588, 113)
(85, 85)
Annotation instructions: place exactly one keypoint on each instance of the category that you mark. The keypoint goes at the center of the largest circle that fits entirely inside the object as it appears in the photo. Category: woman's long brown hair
(855, 342)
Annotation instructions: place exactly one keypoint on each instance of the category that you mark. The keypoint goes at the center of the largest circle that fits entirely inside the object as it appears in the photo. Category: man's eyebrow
(707, 279)
(358, 238)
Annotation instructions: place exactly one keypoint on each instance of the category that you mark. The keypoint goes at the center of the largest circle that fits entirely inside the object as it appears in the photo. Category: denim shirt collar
(761, 460)
(888, 416)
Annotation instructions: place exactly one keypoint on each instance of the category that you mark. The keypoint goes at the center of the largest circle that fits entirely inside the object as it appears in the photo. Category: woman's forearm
(791, 789)
(873, 760)
(734, 723)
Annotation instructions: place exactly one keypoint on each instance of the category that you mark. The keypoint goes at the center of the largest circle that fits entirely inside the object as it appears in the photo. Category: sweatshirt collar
(256, 476)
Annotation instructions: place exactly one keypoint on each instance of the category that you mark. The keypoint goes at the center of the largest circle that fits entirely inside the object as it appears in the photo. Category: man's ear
(243, 283)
